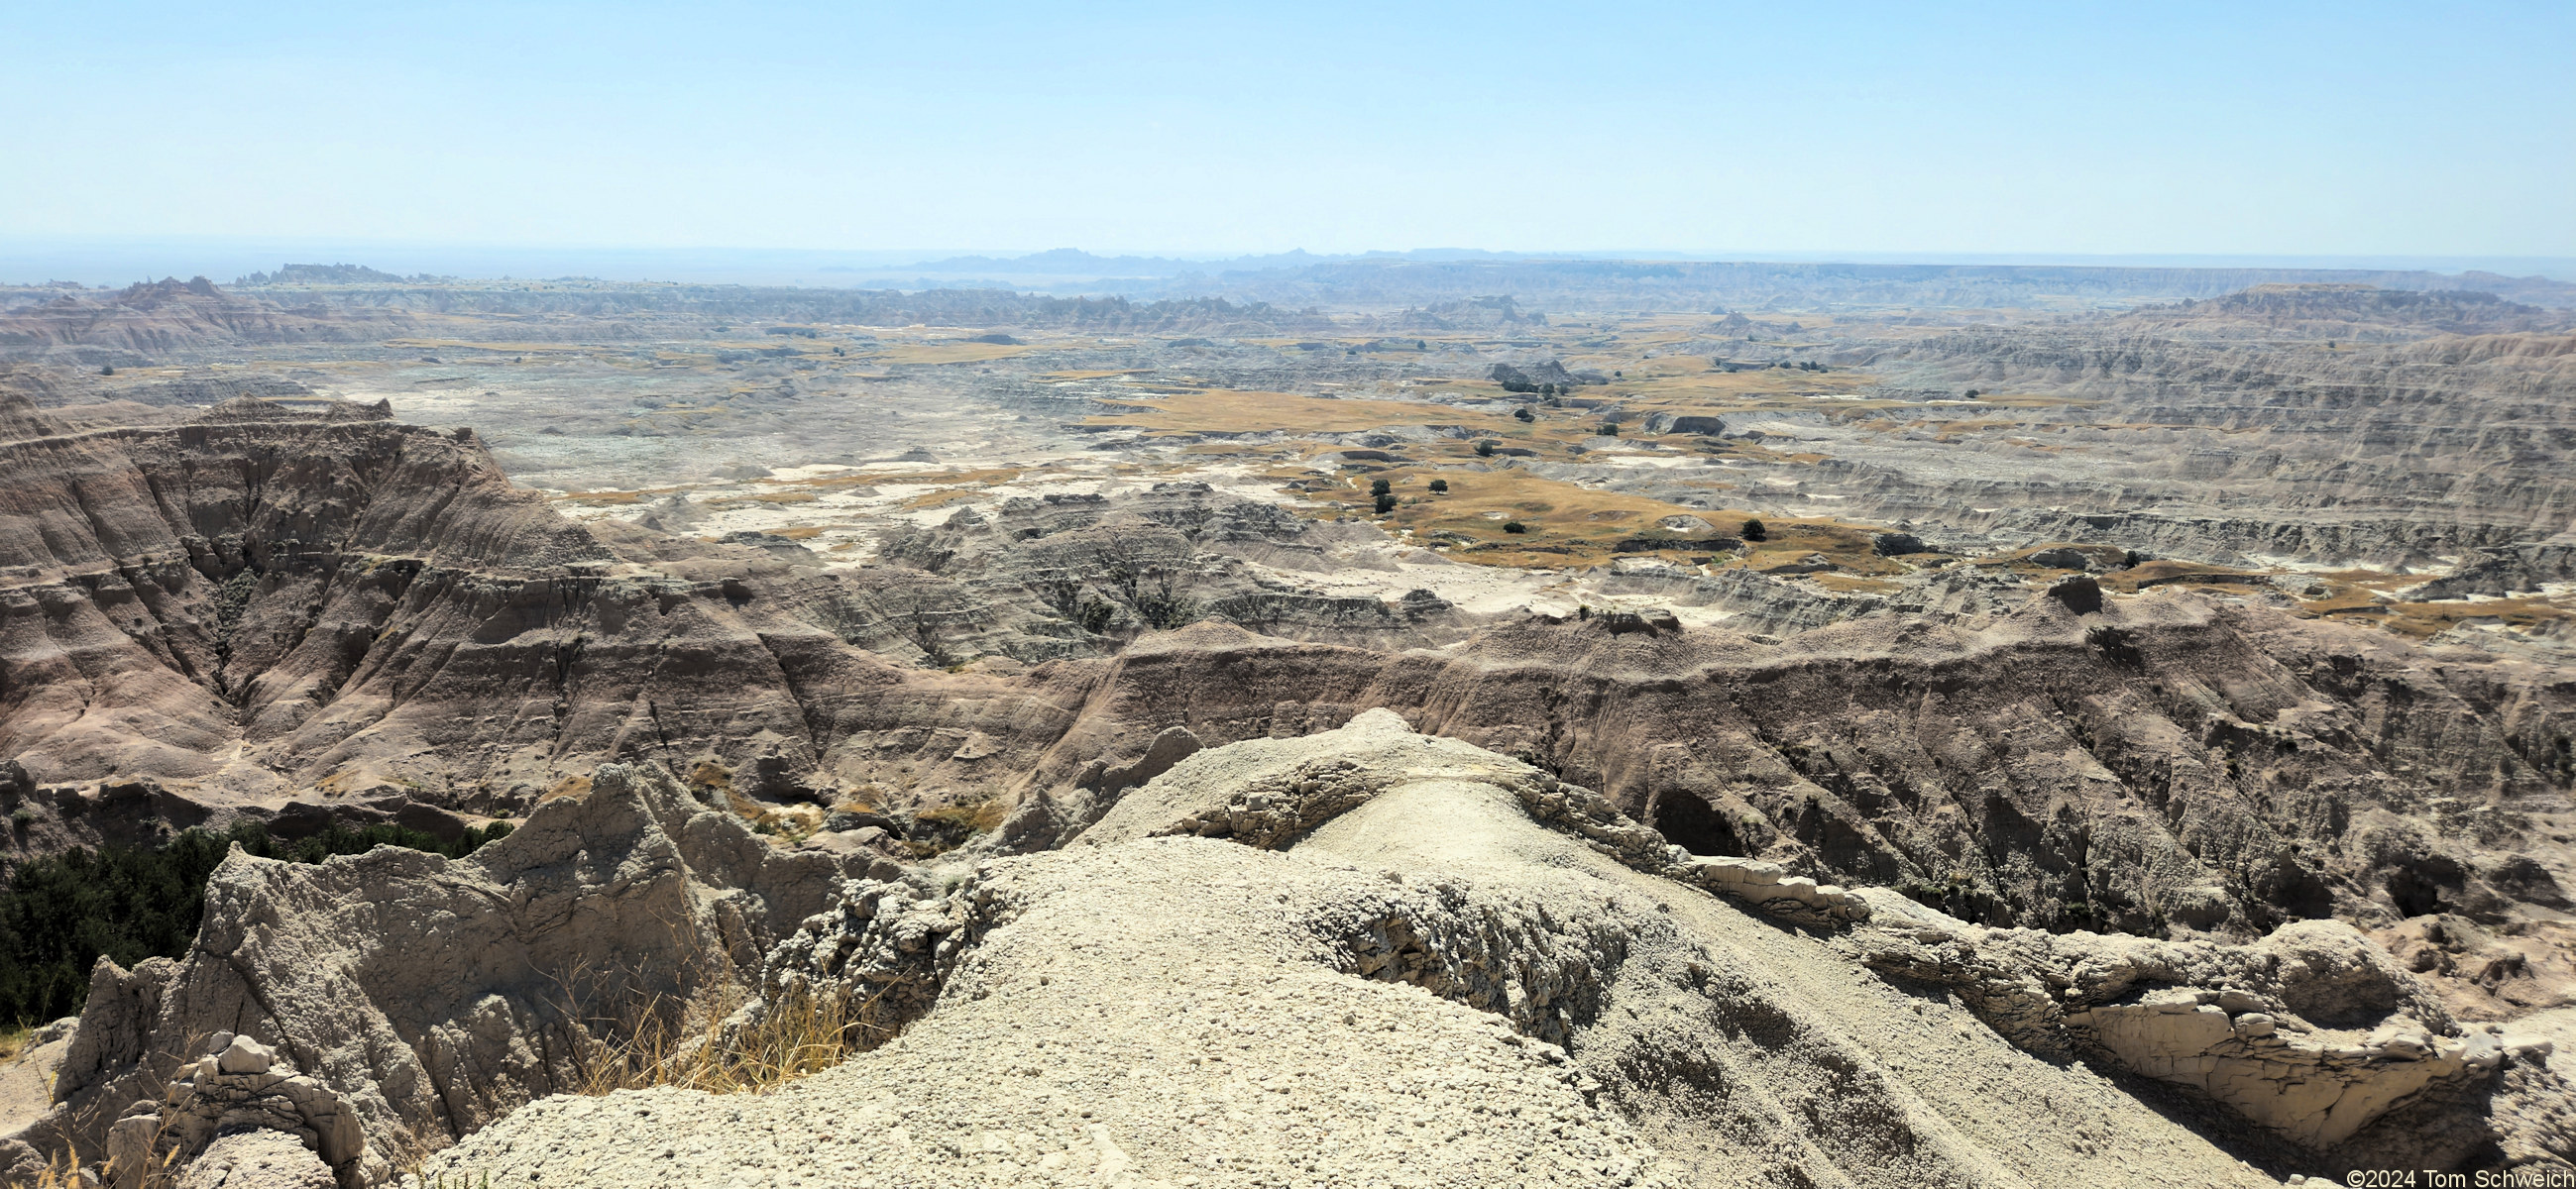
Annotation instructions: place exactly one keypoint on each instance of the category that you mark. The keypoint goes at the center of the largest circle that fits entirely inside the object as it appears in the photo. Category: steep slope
(1453, 970)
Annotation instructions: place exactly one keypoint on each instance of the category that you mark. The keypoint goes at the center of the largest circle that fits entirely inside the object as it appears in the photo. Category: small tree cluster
(60, 914)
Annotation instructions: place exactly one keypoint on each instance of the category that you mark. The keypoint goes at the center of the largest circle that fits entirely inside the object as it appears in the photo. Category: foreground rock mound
(1403, 960)
(417, 998)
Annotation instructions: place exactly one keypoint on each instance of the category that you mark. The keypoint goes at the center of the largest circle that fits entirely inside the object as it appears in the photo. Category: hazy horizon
(2288, 131)
(109, 262)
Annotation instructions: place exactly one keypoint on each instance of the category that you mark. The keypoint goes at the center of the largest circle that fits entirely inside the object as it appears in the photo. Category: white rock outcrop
(2313, 1033)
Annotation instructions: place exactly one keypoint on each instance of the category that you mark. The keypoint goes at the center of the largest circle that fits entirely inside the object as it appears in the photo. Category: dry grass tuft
(61, 1172)
(703, 1050)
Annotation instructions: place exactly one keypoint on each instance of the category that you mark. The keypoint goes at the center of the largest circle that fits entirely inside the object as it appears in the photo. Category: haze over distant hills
(120, 262)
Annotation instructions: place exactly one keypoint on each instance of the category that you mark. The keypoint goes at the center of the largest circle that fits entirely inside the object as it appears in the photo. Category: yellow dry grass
(941, 499)
(613, 498)
(947, 353)
(868, 478)
(1568, 524)
(701, 1048)
(2429, 619)
(1243, 411)
(497, 348)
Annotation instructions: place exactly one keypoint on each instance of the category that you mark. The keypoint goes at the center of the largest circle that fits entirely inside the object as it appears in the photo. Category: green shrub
(61, 913)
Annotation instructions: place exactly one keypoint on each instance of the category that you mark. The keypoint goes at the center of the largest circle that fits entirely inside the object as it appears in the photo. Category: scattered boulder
(239, 1087)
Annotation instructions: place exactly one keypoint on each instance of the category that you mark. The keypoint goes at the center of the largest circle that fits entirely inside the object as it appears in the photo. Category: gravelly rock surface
(1185, 1010)
(257, 1160)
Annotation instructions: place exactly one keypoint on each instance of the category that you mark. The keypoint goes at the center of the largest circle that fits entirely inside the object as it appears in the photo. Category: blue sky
(2271, 129)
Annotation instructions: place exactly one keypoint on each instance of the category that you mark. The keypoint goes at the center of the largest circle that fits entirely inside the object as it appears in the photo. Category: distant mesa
(2351, 311)
(331, 274)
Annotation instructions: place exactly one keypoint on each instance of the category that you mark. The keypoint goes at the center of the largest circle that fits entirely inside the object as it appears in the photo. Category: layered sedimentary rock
(154, 317)
(266, 603)
(294, 613)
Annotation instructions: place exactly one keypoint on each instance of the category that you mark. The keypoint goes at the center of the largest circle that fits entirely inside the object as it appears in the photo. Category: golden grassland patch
(2034, 401)
(509, 348)
(611, 499)
(1565, 524)
(1242, 411)
(941, 499)
(870, 478)
(2422, 620)
(948, 352)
